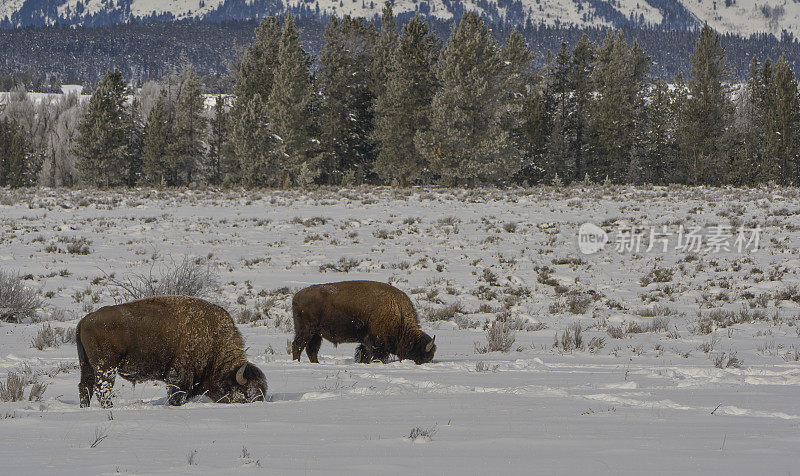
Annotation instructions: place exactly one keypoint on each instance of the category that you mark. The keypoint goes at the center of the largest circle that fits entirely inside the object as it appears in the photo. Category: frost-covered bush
(499, 338)
(516, 323)
(344, 265)
(571, 339)
(422, 433)
(578, 303)
(657, 275)
(13, 390)
(655, 311)
(446, 313)
(37, 391)
(185, 278)
(247, 316)
(18, 303)
(616, 332)
(596, 343)
(728, 360)
(52, 337)
(79, 247)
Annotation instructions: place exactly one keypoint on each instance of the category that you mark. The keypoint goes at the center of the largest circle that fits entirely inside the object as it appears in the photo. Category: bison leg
(298, 344)
(176, 396)
(370, 350)
(381, 354)
(104, 384)
(363, 354)
(378, 349)
(312, 348)
(86, 387)
(179, 387)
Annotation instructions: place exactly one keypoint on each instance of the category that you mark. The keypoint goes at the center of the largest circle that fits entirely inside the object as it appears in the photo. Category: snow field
(663, 398)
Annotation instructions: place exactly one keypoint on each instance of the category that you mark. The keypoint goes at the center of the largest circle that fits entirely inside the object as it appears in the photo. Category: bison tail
(82, 359)
(86, 367)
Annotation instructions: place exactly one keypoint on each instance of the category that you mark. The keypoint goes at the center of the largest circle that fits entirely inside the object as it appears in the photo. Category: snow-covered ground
(65, 90)
(687, 391)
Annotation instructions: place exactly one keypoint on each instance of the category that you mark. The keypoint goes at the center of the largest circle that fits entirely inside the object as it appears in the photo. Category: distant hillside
(80, 55)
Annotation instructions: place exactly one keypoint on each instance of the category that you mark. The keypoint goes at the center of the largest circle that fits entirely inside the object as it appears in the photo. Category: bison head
(246, 384)
(423, 349)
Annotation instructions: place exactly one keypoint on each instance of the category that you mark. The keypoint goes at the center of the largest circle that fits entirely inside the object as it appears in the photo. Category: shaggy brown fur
(378, 316)
(192, 345)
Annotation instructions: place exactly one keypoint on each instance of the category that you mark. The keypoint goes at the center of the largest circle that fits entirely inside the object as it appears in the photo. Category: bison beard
(190, 344)
(379, 317)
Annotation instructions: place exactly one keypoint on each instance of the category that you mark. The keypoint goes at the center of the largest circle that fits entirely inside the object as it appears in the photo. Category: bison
(379, 317)
(191, 344)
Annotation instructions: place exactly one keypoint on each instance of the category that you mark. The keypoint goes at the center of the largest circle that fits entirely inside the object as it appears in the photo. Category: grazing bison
(190, 344)
(378, 316)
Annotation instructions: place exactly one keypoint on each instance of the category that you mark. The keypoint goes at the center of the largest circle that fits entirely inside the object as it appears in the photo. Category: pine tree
(746, 158)
(466, 143)
(254, 75)
(654, 151)
(16, 169)
(344, 83)
(103, 149)
(258, 149)
(707, 114)
(767, 165)
(536, 129)
(135, 129)
(290, 104)
(384, 50)
(560, 151)
(158, 166)
(782, 131)
(189, 129)
(581, 84)
(256, 69)
(781, 123)
(517, 60)
(617, 109)
(402, 109)
(218, 141)
(679, 97)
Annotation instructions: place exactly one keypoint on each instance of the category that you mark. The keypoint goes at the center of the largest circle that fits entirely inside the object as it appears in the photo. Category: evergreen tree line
(403, 108)
(151, 50)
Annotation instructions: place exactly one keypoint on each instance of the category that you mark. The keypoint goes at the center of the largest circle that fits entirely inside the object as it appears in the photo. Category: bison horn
(240, 376)
(430, 344)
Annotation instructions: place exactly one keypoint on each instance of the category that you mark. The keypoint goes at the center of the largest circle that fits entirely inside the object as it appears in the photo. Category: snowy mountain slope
(747, 16)
(8, 7)
(548, 11)
(142, 8)
(731, 16)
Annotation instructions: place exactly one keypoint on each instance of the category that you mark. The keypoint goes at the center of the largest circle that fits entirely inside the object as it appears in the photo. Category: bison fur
(378, 316)
(191, 344)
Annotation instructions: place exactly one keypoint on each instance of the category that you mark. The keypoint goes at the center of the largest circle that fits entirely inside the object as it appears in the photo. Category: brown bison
(378, 316)
(191, 344)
